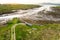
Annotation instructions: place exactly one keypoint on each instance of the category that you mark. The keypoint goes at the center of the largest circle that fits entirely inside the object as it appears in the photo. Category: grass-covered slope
(5, 29)
(56, 8)
(7, 8)
(35, 32)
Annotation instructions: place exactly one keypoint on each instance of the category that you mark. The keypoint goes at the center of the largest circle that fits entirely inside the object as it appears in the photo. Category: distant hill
(50, 3)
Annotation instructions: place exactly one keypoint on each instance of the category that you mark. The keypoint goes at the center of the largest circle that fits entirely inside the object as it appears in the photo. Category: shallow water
(22, 13)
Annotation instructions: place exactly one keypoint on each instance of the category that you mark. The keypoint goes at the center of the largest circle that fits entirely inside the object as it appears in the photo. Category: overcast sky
(29, 1)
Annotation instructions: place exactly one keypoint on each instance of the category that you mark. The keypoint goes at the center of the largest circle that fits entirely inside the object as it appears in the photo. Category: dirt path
(13, 35)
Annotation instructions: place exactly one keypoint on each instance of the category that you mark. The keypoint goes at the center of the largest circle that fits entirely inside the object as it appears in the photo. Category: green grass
(7, 8)
(56, 7)
(5, 30)
(35, 32)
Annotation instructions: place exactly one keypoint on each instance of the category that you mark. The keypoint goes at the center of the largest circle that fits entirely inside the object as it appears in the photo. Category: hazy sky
(29, 1)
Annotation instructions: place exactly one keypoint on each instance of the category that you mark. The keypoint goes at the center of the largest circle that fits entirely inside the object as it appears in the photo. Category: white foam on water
(27, 12)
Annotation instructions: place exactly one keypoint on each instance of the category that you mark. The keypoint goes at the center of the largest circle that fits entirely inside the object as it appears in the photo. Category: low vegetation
(35, 32)
(5, 29)
(30, 32)
(56, 7)
(7, 8)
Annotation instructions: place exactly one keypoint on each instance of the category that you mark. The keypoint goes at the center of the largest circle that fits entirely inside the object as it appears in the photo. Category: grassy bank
(56, 7)
(26, 32)
(7, 8)
(5, 29)
(35, 32)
